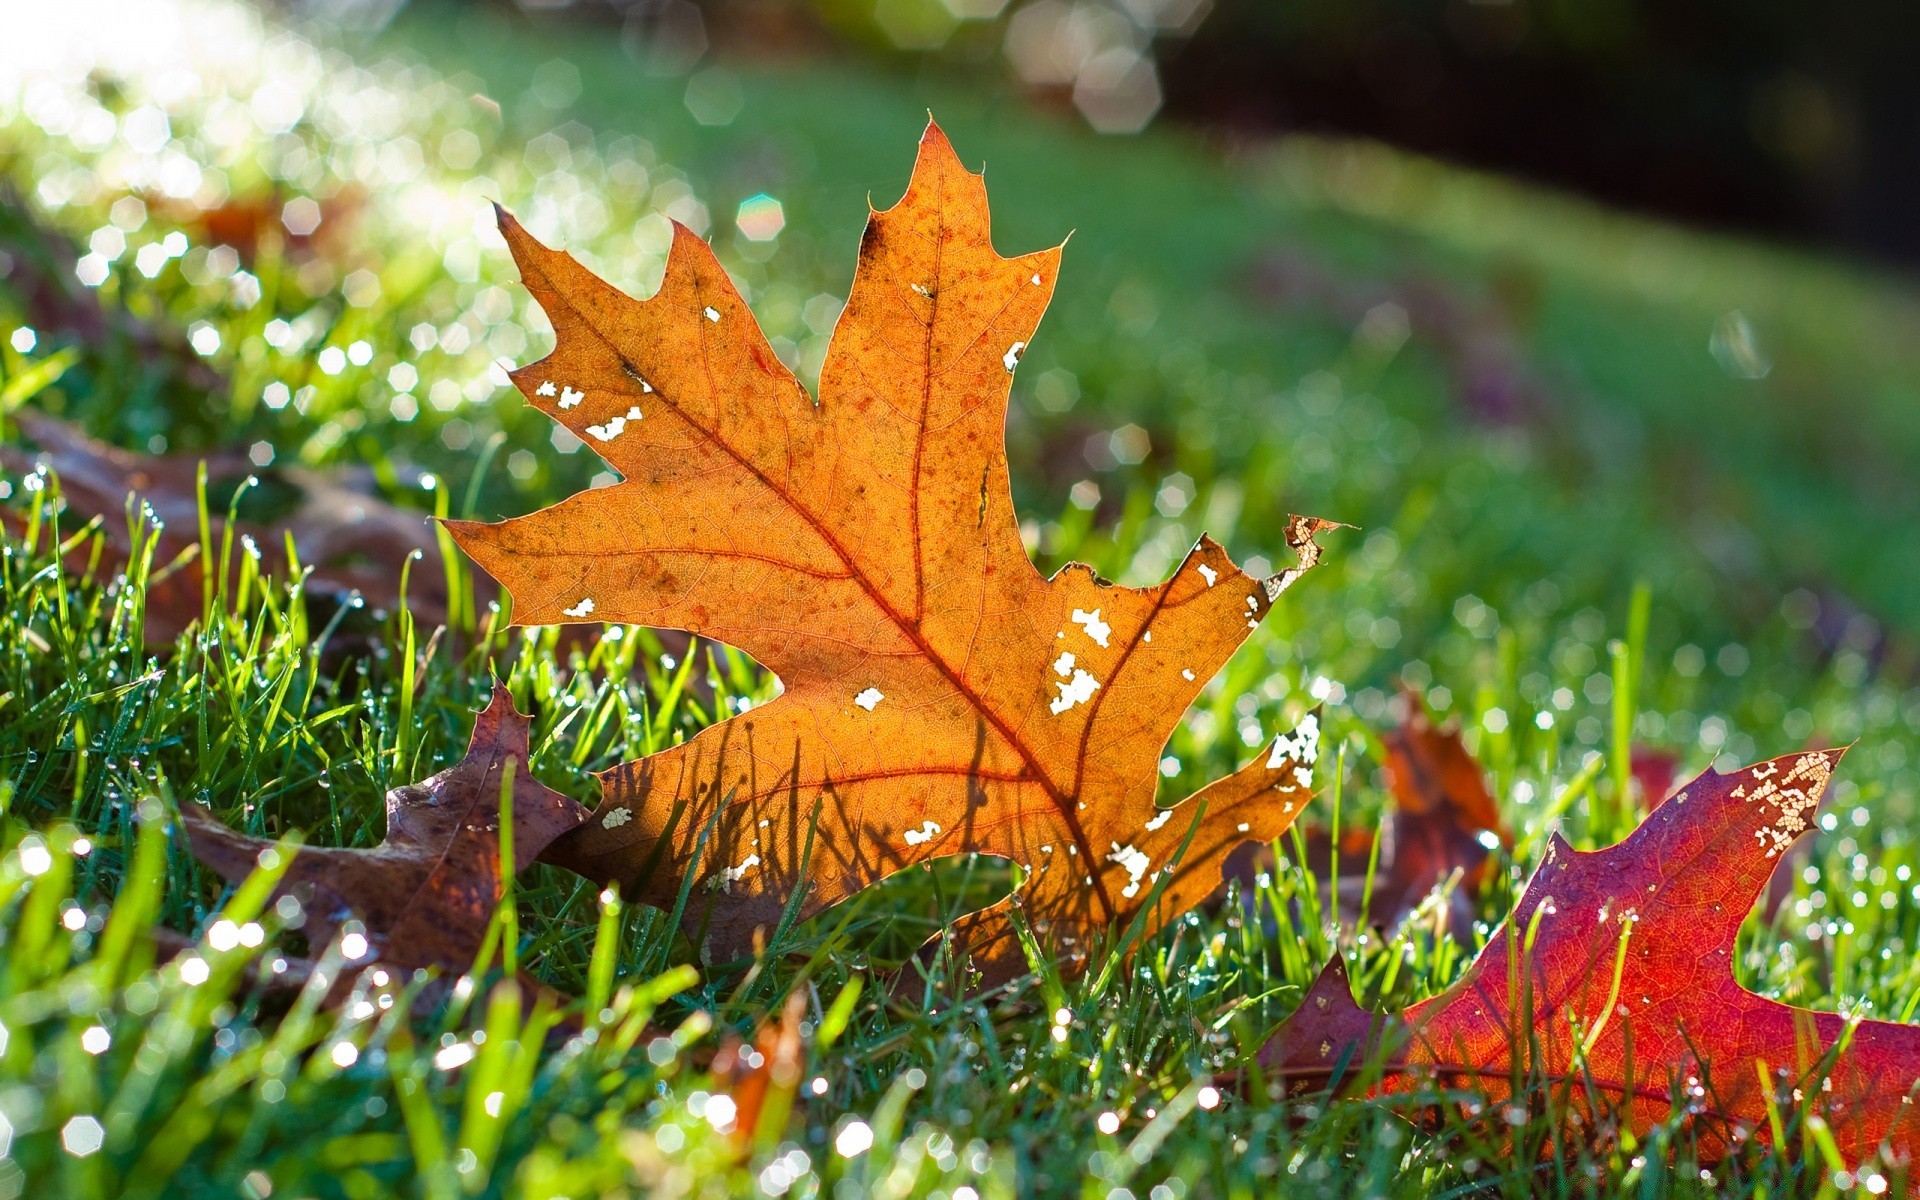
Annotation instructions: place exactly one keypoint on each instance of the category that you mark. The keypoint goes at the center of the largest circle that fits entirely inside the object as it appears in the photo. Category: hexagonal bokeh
(975, 10)
(1048, 42)
(82, 1136)
(915, 24)
(1118, 90)
(760, 218)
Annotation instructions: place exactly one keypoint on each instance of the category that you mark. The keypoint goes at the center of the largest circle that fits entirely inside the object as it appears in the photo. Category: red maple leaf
(1616, 967)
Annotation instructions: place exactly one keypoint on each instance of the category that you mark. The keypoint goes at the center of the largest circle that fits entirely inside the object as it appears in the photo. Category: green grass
(1494, 570)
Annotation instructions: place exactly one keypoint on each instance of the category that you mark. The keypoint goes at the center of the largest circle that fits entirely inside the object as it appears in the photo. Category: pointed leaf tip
(1328, 1034)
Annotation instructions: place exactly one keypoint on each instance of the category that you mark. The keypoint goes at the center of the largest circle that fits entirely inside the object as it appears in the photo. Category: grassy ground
(1527, 405)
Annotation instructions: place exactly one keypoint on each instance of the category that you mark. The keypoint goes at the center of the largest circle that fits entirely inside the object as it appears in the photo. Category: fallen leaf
(1440, 823)
(351, 538)
(426, 893)
(1654, 772)
(255, 219)
(762, 1078)
(941, 696)
(1631, 982)
(353, 541)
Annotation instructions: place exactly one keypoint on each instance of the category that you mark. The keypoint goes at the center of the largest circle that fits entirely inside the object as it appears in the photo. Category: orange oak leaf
(1630, 975)
(940, 696)
(427, 892)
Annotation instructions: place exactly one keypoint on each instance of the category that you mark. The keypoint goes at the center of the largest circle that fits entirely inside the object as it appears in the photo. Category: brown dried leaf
(354, 541)
(763, 1078)
(1436, 827)
(941, 697)
(427, 892)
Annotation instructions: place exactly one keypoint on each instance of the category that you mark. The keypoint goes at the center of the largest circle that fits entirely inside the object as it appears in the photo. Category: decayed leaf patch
(1437, 832)
(941, 696)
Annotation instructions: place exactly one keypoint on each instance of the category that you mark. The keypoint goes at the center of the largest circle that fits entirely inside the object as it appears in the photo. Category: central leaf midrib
(926, 404)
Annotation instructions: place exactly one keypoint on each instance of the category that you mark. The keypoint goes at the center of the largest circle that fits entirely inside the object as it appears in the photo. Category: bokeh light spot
(761, 218)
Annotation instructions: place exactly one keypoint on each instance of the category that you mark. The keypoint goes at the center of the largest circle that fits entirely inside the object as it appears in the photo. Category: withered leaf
(764, 1077)
(941, 696)
(427, 892)
(353, 541)
(1630, 978)
(1441, 813)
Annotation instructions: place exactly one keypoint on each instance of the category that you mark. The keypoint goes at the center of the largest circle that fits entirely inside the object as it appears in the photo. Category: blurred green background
(1732, 420)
